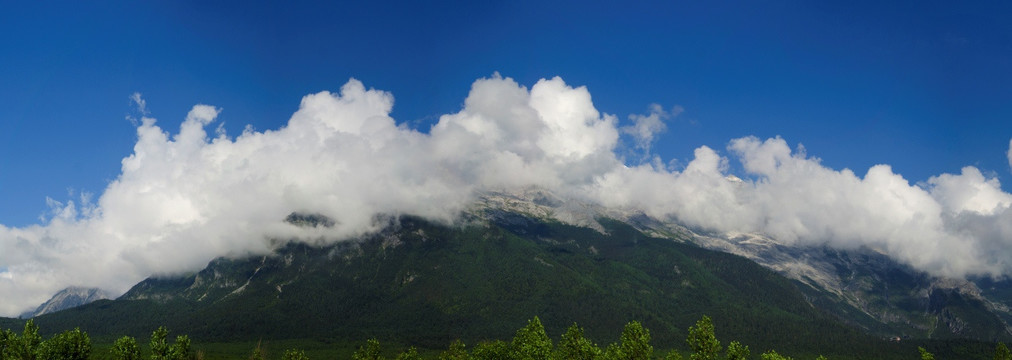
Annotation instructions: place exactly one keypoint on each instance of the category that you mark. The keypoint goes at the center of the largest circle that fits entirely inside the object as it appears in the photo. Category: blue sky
(924, 87)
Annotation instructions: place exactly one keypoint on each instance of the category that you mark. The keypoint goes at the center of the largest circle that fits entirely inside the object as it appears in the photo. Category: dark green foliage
(125, 348)
(159, 344)
(161, 350)
(68, 345)
(26, 346)
(491, 350)
(369, 351)
(703, 341)
(181, 348)
(612, 352)
(457, 351)
(737, 351)
(773, 355)
(952, 348)
(635, 342)
(7, 339)
(1001, 352)
(572, 345)
(531, 342)
(294, 354)
(410, 354)
(673, 355)
(258, 353)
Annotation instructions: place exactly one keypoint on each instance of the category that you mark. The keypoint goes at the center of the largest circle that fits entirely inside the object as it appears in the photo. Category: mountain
(861, 287)
(867, 289)
(530, 253)
(66, 299)
(426, 283)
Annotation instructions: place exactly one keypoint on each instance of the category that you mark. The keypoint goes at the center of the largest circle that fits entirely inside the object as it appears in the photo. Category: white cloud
(645, 128)
(969, 191)
(796, 200)
(185, 198)
(138, 100)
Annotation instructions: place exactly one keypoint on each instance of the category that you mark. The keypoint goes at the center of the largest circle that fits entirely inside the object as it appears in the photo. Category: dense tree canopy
(529, 342)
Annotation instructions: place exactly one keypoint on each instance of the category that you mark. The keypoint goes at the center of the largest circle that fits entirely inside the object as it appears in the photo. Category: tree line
(529, 343)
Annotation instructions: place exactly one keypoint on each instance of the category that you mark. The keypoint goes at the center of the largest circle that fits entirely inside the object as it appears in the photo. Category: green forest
(529, 342)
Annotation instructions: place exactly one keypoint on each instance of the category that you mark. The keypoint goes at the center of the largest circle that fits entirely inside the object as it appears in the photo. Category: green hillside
(427, 284)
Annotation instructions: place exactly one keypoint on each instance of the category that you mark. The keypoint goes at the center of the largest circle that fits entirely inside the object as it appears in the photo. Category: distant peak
(70, 297)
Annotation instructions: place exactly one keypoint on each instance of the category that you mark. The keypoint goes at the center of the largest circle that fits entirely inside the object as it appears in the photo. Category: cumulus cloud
(186, 197)
(183, 198)
(953, 225)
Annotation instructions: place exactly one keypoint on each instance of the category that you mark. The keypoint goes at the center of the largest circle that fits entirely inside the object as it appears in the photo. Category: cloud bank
(185, 198)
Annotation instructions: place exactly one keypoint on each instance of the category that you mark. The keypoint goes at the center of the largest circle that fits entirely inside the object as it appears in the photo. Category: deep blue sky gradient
(922, 86)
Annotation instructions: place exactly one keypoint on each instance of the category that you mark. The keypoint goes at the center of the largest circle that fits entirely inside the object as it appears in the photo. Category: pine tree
(573, 345)
(636, 342)
(703, 341)
(531, 342)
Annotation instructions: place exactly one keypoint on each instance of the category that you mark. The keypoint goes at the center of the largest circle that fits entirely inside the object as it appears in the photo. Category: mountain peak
(70, 297)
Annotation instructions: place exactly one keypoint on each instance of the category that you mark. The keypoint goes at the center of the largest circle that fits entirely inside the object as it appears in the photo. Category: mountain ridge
(67, 298)
(539, 254)
(425, 283)
(867, 289)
